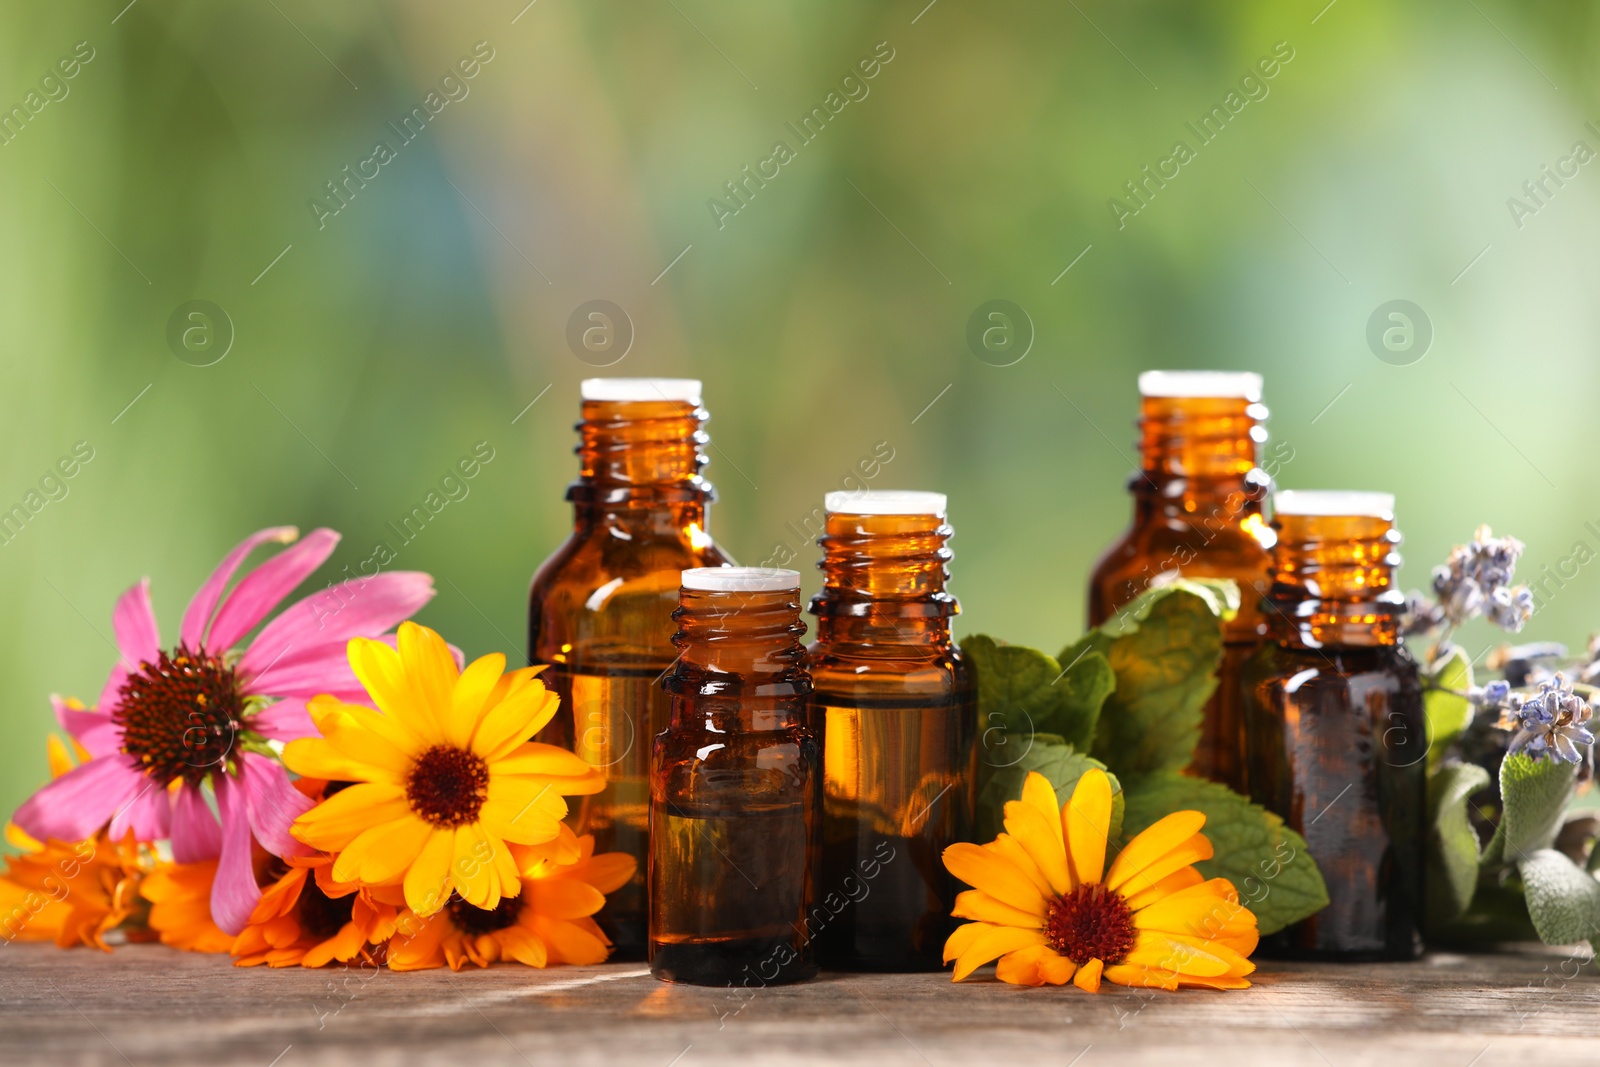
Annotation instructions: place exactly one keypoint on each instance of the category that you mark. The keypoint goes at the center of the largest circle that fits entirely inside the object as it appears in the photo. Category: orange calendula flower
(308, 919)
(72, 894)
(548, 922)
(180, 906)
(445, 776)
(1047, 908)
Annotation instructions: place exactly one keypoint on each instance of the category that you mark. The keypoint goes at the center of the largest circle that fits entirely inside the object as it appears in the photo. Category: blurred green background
(374, 347)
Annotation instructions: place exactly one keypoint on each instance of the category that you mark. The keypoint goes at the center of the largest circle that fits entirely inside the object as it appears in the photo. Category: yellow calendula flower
(549, 923)
(445, 775)
(180, 906)
(1045, 906)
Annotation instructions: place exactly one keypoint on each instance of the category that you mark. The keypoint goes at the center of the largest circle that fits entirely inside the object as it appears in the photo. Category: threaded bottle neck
(1333, 581)
(734, 642)
(1200, 439)
(648, 451)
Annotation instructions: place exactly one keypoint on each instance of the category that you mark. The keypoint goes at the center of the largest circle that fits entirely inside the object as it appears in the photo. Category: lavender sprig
(1475, 580)
(1552, 722)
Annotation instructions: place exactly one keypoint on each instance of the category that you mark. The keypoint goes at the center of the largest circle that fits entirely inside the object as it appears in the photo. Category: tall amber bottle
(1337, 735)
(600, 608)
(895, 702)
(734, 799)
(1197, 513)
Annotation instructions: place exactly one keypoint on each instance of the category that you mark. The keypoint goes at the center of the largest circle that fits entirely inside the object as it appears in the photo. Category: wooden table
(147, 1005)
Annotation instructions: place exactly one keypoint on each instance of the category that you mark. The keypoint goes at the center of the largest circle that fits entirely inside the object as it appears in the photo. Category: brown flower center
(479, 921)
(1090, 923)
(321, 916)
(447, 785)
(180, 715)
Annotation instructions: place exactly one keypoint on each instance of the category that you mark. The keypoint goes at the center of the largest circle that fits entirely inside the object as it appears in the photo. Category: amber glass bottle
(600, 610)
(895, 702)
(1337, 736)
(734, 790)
(1197, 513)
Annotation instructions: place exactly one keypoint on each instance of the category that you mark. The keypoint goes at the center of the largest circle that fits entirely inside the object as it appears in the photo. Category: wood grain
(146, 1005)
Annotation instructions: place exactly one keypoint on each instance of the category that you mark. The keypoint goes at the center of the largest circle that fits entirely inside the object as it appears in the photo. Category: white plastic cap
(884, 502)
(1333, 502)
(740, 579)
(626, 390)
(1242, 385)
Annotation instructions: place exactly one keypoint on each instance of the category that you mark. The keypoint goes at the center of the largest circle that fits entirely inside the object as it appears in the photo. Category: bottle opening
(1334, 502)
(634, 390)
(740, 579)
(1241, 385)
(885, 502)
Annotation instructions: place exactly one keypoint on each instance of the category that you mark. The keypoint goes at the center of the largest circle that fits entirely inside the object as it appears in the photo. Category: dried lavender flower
(1476, 580)
(1553, 721)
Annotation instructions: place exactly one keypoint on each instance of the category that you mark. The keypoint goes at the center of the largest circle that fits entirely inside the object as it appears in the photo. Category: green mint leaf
(1452, 842)
(1535, 795)
(1563, 898)
(1059, 762)
(1267, 862)
(1164, 649)
(1024, 692)
(1448, 714)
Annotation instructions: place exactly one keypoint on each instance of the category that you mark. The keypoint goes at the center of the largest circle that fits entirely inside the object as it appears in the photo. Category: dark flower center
(321, 916)
(479, 921)
(1091, 923)
(447, 785)
(180, 715)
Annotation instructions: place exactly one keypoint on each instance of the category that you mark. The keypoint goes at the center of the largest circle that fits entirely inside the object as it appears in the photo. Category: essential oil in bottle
(600, 609)
(1337, 735)
(895, 702)
(734, 790)
(1197, 513)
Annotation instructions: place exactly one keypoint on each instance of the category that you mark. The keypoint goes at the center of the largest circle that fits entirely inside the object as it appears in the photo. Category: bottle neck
(1333, 581)
(884, 580)
(740, 645)
(1198, 465)
(639, 466)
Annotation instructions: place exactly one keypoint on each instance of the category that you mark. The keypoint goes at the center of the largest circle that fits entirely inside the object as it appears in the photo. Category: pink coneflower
(170, 720)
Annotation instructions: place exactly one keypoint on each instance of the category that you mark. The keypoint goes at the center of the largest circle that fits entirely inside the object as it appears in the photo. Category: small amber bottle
(1197, 513)
(600, 609)
(895, 702)
(1337, 735)
(734, 789)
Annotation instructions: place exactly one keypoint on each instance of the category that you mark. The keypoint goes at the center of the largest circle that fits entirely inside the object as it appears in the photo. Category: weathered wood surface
(146, 1005)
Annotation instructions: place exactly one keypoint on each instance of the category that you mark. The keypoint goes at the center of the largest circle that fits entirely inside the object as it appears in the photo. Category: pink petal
(234, 894)
(111, 695)
(135, 624)
(265, 587)
(75, 806)
(284, 720)
(274, 805)
(360, 607)
(327, 671)
(95, 732)
(195, 833)
(148, 814)
(205, 600)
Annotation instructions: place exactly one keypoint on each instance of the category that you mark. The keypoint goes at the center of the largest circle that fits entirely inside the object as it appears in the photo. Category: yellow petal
(382, 854)
(1086, 820)
(428, 881)
(1022, 966)
(1153, 842)
(314, 757)
(976, 904)
(1041, 838)
(563, 898)
(1219, 948)
(429, 666)
(523, 946)
(1182, 878)
(961, 939)
(996, 876)
(1194, 850)
(56, 755)
(334, 823)
(383, 675)
(991, 943)
(546, 761)
(513, 720)
(1171, 956)
(1087, 977)
(1138, 976)
(1010, 849)
(470, 694)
